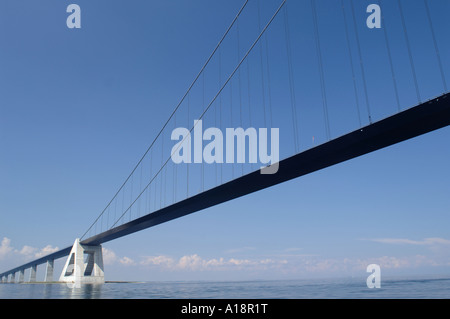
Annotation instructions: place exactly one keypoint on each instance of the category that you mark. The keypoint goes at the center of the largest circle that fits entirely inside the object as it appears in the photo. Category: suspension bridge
(257, 76)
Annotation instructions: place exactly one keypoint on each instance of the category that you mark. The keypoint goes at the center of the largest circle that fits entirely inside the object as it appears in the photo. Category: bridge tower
(84, 265)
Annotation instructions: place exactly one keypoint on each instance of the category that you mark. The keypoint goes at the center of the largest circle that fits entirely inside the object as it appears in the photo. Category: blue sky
(79, 107)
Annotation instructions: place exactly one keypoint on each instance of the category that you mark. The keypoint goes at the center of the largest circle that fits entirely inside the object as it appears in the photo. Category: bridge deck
(421, 119)
(418, 120)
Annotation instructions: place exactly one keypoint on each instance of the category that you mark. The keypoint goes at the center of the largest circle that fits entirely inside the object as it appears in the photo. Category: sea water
(344, 288)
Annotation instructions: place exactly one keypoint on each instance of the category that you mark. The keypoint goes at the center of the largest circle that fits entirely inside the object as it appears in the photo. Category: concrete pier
(78, 270)
(49, 271)
(32, 277)
(21, 275)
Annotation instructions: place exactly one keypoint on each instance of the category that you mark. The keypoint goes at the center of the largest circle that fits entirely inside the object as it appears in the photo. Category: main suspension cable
(408, 45)
(321, 71)
(170, 117)
(436, 48)
(211, 103)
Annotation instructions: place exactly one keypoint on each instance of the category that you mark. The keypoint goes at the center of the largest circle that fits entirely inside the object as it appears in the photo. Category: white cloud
(46, 251)
(5, 248)
(27, 252)
(11, 256)
(404, 241)
(109, 257)
(158, 260)
(196, 263)
(437, 241)
(298, 266)
(286, 264)
(192, 262)
(33, 253)
(126, 261)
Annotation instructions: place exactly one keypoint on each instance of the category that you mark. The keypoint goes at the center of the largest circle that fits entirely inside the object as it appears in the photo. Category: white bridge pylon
(84, 265)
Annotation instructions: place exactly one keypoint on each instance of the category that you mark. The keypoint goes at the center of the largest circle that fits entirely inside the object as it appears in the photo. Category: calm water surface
(285, 289)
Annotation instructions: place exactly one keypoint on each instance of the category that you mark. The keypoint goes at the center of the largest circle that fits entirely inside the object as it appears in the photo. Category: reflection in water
(85, 291)
(48, 291)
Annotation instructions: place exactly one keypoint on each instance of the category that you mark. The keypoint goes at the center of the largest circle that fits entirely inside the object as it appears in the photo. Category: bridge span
(421, 119)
